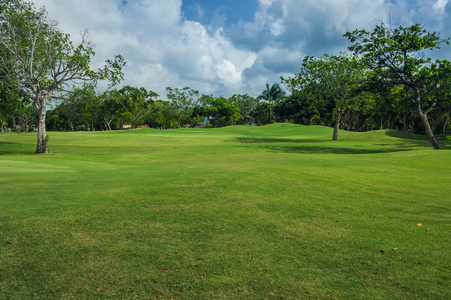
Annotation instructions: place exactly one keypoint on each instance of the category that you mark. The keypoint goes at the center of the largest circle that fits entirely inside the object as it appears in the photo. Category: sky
(226, 47)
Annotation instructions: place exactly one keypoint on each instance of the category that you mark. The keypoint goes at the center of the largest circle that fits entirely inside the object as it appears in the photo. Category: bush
(448, 142)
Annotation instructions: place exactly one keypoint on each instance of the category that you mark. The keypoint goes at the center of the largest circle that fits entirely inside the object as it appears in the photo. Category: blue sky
(220, 12)
(223, 47)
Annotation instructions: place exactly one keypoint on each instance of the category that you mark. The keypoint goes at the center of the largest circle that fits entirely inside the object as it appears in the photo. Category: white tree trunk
(42, 147)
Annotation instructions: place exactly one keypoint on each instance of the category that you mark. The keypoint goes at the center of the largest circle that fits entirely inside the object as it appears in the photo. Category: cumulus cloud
(284, 31)
(163, 47)
(160, 47)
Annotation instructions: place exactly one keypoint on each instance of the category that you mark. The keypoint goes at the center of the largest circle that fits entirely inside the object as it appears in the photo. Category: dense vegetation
(385, 81)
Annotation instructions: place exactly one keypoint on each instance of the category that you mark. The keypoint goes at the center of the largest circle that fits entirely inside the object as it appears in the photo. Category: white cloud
(163, 48)
(440, 5)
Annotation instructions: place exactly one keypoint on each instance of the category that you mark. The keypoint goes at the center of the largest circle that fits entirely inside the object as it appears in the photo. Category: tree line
(385, 80)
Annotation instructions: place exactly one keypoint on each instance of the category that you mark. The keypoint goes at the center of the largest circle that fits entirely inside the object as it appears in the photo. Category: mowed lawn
(273, 212)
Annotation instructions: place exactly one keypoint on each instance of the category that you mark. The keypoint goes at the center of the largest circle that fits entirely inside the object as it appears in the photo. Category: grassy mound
(279, 211)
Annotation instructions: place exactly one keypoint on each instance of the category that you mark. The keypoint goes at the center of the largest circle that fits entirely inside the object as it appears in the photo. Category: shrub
(448, 142)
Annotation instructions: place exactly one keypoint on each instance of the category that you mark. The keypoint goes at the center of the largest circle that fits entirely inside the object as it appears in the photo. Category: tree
(271, 94)
(302, 107)
(335, 78)
(27, 117)
(440, 91)
(397, 58)
(183, 102)
(10, 104)
(41, 62)
(159, 115)
(107, 109)
(133, 103)
(221, 111)
(247, 105)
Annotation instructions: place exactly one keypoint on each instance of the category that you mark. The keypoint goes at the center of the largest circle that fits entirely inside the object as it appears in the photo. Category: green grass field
(271, 212)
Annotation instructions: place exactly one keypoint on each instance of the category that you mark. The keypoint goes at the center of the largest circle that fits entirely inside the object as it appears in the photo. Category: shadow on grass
(8, 148)
(406, 136)
(305, 146)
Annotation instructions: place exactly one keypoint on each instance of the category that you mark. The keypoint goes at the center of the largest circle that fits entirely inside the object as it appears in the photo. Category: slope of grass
(241, 212)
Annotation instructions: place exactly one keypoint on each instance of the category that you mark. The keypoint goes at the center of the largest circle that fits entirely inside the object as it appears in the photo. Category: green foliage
(330, 79)
(396, 57)
(221, 111)
(448, 142)
(247, 106)
(41, 62)
(272, 93)
(133, 104)
(394, 52)
(183, 102)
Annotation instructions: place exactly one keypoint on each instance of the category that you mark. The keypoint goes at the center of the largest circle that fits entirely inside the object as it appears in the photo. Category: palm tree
(271, 94)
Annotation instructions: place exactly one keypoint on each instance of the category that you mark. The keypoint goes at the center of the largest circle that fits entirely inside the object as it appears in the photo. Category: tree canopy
(397, 57)
(40, 61)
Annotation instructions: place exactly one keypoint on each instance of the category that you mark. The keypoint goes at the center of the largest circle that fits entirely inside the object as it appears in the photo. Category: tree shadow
(420, 139)
(247, 140)
(305, 146)
(10, 148)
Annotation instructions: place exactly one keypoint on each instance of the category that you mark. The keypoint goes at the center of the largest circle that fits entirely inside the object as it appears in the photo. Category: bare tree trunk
(429, 132)
(42, 147)
(425, 121)
(447, 118)
(336, 127)
(108, 126)
(16, 126)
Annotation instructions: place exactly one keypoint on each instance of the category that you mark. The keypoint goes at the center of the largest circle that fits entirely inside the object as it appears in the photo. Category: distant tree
(107, 109)
(440, 92)
(27, 117)
(302, 107)
(133, 103)
(222, 112)
(40, 61)
(271, 94)
(159, 115)
(396, 56)
(261, 115)
(183, 102)
(10, 104)
(247, 105)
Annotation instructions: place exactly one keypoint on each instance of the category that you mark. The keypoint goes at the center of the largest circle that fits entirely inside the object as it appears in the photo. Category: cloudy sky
(223, 47)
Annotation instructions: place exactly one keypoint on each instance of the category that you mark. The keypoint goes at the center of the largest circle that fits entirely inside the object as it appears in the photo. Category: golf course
(242, 212)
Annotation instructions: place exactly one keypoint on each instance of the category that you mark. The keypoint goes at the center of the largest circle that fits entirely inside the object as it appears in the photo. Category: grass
(270, 212)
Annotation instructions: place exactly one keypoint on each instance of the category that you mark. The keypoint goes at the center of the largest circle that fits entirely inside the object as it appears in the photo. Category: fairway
(241, 212)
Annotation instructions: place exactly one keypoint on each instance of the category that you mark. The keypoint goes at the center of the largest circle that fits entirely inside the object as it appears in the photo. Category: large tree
(336, 78)
(40, 61)
(397, 57)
